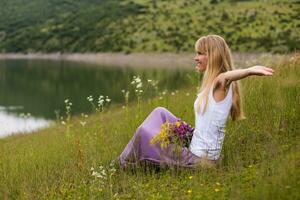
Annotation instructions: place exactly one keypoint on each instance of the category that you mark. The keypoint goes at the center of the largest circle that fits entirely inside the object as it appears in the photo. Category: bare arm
(223, 80)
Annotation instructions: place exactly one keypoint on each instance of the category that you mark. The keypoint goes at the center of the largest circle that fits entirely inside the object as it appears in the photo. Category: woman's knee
(159, 109)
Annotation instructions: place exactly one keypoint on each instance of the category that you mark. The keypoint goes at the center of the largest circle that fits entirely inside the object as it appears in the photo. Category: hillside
(146, 25)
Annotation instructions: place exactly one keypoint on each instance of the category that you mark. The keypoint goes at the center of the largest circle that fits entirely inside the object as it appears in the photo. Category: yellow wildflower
(189, 191)
(164, 126)
(190, 177)
(217, 190)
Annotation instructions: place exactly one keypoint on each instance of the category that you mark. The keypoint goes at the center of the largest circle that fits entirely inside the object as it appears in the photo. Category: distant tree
(214, 1)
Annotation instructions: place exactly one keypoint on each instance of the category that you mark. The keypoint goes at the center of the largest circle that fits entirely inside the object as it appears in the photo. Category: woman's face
(201, 60)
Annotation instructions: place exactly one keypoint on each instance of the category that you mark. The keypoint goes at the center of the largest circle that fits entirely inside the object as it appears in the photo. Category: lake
(32, 92)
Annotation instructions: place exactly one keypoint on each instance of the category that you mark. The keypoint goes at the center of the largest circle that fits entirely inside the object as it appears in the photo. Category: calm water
(32, 90)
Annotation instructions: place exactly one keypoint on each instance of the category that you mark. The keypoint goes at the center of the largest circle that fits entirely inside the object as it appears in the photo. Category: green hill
(146, 25)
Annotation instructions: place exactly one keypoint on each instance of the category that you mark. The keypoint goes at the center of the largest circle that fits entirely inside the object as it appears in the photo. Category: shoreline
(153, 60)
(139, 60)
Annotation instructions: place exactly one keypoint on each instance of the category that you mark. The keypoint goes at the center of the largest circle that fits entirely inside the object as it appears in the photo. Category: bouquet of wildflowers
(178, 133)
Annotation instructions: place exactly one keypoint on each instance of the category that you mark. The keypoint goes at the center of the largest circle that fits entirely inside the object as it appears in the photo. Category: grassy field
(261, 155)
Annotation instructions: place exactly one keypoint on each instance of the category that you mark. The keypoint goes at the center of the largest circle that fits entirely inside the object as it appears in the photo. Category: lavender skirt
(139, 148)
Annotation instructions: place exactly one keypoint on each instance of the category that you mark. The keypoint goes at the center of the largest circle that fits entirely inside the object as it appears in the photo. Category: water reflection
(39, 87)
(11, 123)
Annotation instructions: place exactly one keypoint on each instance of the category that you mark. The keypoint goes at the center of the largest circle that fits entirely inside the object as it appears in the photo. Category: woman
(218, 97)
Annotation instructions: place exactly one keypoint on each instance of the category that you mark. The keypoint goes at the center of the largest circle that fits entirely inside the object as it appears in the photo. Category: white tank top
(209, 130)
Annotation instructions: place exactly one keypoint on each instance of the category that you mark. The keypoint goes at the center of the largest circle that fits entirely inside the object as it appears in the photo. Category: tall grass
(260, 156)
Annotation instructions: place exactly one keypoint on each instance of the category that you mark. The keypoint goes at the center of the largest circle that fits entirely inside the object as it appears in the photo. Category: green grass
(261, 155)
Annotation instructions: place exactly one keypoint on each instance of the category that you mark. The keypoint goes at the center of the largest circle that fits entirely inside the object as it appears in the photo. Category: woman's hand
(260, 71)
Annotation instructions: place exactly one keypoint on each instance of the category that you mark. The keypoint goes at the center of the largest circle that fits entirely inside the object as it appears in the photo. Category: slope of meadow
(261, 154)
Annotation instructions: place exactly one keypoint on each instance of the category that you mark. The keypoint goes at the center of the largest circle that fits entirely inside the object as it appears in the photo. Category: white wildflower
(154, 83)
(139, 85)
(138, 80)
(100, 101)
(83, 123)
(90, 98)
(99, 176)
(95, 173)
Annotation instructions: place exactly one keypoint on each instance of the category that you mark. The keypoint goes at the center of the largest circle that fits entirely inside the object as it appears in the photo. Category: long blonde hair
(218, 61)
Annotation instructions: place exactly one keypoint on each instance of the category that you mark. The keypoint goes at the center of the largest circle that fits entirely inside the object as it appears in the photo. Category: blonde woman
(219, 97)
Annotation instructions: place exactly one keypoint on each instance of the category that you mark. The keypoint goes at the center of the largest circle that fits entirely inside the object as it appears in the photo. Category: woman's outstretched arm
(223, 80)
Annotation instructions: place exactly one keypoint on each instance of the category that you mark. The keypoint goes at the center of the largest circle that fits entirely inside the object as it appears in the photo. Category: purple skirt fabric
(139, 147)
